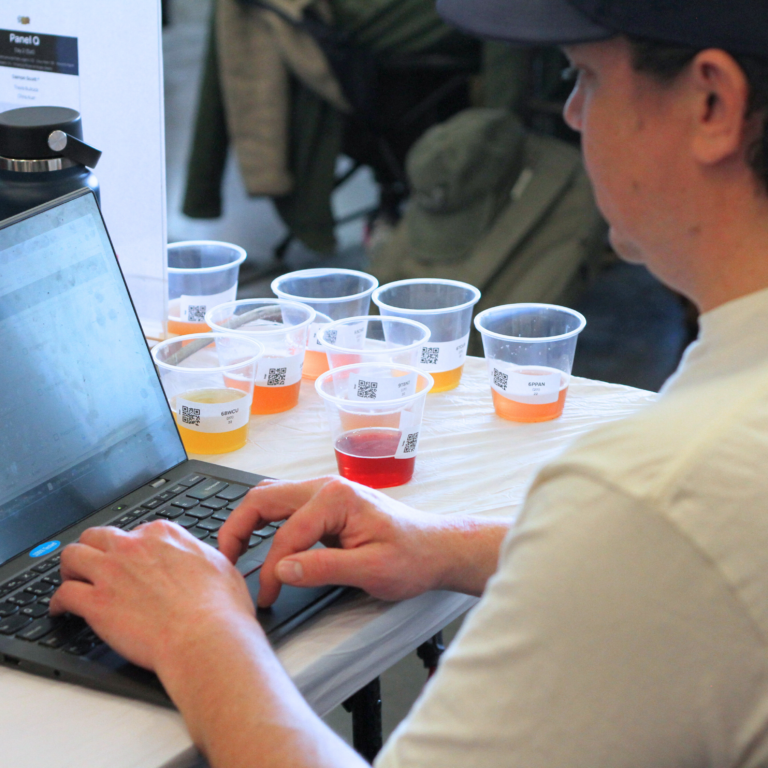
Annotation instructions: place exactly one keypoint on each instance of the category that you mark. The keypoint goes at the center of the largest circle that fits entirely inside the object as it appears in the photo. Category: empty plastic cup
(197, 372)
(375, 413)
(201, 275)
(282, 328)
(374, 339)
(333, 293)
(445, 307)
(530, 350)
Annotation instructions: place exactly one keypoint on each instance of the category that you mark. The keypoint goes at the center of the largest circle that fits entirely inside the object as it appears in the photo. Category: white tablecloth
(469, 461)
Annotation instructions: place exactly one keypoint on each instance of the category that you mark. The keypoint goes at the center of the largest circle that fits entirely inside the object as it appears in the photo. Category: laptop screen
(83, 417)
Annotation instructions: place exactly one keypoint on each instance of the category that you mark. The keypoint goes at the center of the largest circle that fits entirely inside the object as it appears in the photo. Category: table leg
(431, 651)
(365, 706)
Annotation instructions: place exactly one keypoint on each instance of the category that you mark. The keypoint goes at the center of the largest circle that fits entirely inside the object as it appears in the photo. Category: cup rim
(531, 339)
(263, 302)
(341, 400)
(241, 254)
(376, 298)
(213, 336)
(318, 272)
(404, 348)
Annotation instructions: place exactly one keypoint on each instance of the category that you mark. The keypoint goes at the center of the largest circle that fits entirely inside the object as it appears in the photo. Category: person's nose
(573, 107)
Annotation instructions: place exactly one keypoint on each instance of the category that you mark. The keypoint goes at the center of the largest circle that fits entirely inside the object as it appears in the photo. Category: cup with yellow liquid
(445, 307)
(282, 328)
(201, 274)
(374, 339)
(197, 372)
(530, 350)
(332, 293)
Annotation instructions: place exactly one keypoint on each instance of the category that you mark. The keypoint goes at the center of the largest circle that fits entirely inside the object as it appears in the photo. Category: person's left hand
(151, 591)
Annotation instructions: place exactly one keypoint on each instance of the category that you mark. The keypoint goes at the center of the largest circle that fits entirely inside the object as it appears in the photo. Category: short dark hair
(665, 62)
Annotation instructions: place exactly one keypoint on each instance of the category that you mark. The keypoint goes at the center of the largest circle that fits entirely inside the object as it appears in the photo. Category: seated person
(624, 616)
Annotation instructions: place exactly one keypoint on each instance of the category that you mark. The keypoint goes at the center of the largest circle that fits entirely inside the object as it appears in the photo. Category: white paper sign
(213, 417)
(279, 371)
(192, 309)
(370, 388)
(441, 356)
(535, 384)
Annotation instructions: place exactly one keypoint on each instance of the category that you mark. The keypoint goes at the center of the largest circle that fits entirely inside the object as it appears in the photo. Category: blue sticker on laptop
(45, 549)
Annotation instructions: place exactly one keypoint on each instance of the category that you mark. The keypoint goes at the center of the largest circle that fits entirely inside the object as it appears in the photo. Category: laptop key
(83, 644)
(254, 540)
(186, 521)
(22, 598)
(152, 503)
(199, 533)
(210, 525)
(222, 514)
(43, 567)
(214, 504)
(53, 578)
(207, 489)
(170, 513)
(185, 503)
(7, 609)
(36, 610)
(12, 624)
(199, 512)
(65, 629)
(191, 480)
(38, 629)
(40, 588)
(177, 489)
(234, 492)
(267, 532)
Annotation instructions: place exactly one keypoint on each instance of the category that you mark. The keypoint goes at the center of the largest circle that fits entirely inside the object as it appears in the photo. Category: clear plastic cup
(201, 274)
(530, 350)
(445, 307)
(374, 339)
(282, 328)
(197, 373)
(316, 361)
(375, 412)
(332, 293)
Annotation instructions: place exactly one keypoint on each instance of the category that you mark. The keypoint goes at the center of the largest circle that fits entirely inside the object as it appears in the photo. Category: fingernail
(289, 571)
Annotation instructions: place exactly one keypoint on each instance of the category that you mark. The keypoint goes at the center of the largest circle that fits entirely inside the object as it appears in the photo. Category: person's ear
(720, 97)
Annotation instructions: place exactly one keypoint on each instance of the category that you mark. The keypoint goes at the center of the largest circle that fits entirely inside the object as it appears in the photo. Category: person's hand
(375, 543)
(149, 591)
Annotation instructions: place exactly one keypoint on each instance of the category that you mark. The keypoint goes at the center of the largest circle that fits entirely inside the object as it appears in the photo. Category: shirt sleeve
(604, 639)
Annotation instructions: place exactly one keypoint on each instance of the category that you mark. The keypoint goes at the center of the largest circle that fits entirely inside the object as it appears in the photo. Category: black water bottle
(42, 156)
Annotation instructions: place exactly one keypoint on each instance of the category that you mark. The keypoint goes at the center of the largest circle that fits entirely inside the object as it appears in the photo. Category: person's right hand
(380, 545)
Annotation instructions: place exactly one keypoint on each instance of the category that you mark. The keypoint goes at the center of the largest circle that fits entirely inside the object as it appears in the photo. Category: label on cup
(440, 356)
(279, 371)
(349, 336)
(213, 417)
(534, 384)
(192, 309)
(409, 437)
(370, 388)
(315, 333)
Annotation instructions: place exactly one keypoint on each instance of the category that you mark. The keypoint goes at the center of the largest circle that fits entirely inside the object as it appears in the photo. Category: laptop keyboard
(198, 503)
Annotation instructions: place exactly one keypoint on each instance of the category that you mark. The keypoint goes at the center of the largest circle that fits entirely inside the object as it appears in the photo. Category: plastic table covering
(469, 461)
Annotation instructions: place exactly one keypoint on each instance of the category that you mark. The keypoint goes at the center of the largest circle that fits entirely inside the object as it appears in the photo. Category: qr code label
(190, 415)
(196, 313)
(430, 355)
(276, 377)
(410, 442)
(330, 336)
(367, 390)
(500, 380)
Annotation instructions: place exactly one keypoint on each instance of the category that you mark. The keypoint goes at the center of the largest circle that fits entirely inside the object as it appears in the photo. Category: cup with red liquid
(333, 293)
(374, 339)
(282, 328)
(375, 412)
(529, 349)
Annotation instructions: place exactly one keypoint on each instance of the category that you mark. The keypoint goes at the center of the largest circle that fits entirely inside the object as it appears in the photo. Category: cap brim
(528, 22)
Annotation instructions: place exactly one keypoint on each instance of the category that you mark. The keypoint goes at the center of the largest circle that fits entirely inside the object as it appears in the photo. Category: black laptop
(87, 438)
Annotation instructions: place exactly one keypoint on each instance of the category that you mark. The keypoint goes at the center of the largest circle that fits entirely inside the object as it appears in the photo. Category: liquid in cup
(445, 307)
(281, 327)
(375, 441)
(529, 349)
(211, 442)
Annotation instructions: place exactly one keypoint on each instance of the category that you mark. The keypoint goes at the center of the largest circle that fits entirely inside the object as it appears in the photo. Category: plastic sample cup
(201, 275)
(282, 328)
(196, 372)
(445, 307)
(530, 350)
(374, 339)
(375, 412)
(315, 359)
(332, 293)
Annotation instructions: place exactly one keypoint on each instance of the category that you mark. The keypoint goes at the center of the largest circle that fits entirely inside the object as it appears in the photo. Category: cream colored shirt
(627, 624)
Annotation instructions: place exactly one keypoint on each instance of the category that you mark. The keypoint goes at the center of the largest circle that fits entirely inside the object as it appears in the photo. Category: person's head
(671, 99)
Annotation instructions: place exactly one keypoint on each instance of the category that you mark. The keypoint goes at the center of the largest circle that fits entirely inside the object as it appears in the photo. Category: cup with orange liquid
(196, 372)
(332, 293)
(374, 339)
(375, 412)
(201, 274)
(315, 360)
(445, 307)
(282, 328)
(530, 350)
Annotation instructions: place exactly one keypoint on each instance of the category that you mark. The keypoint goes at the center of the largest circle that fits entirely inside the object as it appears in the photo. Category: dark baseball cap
(736, 26)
